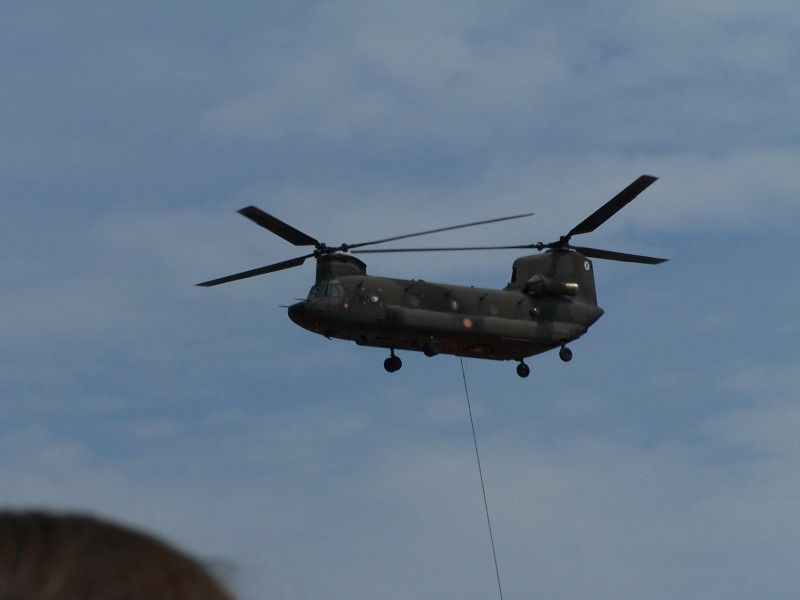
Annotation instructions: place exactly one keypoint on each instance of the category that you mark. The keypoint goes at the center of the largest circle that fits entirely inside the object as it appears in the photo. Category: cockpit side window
(317, 291)
(325, 289)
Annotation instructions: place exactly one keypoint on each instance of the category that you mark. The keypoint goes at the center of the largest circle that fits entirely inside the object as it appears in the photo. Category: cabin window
(414, 301)
(494, 309)
(335, 289)
(454, 305)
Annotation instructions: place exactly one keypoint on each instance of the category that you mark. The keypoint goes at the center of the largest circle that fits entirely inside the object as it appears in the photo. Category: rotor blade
(445, 249)
(610, 208)
(286, 264)
(278, 227)
(410, 235)
(620, 256)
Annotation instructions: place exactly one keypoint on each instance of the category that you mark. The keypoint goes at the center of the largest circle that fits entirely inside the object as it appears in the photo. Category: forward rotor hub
(323, 249)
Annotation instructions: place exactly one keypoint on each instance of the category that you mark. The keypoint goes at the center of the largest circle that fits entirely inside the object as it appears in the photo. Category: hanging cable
(480, 473)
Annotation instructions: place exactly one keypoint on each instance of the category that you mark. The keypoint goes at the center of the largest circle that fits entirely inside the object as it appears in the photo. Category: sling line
(480, 473)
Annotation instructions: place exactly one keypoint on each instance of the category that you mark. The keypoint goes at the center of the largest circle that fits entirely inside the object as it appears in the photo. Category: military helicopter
(550, 301)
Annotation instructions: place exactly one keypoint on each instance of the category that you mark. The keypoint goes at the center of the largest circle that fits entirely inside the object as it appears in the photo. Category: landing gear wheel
(392, 364)
(523, 370)
(565, 354)
(431, 347)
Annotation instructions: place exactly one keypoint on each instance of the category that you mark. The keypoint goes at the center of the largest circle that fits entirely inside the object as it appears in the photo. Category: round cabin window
(494, 309)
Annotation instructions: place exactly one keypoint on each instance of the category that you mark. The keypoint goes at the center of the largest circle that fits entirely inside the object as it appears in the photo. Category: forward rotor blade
(610, 208)
(278, 227)
(620, 256)
(410, 235)
(286, 264)
(445, 249)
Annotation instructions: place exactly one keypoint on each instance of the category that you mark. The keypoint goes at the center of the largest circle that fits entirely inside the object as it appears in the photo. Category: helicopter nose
(296, 312)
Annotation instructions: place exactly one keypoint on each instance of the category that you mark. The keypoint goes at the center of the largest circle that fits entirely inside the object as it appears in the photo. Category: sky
(662, 462)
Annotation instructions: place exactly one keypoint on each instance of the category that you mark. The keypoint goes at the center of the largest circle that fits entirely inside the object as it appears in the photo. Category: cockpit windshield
(327, 289)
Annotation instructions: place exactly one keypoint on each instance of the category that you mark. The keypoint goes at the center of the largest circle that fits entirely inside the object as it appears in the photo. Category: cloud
(568, 511)
(644, 78)
(380, 77)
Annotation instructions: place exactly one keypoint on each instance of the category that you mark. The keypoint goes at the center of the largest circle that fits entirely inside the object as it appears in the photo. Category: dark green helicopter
(549, 302)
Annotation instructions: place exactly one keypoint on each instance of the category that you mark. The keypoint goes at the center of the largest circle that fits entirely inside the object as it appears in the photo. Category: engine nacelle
(539, 285)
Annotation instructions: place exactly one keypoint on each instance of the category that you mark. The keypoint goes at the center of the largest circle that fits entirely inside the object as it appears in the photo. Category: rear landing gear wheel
(565, 354)
(393, 363)
(523, 370)
(431, 347)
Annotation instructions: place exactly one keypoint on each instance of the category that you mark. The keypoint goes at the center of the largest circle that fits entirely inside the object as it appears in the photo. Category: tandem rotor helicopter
(549, 302)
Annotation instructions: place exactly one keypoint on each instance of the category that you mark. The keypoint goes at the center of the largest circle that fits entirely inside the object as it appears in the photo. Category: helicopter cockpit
(327, 289)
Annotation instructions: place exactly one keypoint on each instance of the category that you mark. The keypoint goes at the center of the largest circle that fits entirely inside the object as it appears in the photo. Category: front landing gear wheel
(523, 370)
(565, 354)
(393, 363)
(431, 348)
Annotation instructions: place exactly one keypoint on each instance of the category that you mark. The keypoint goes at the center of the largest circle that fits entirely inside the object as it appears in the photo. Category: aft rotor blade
(278, 227)
(620, 256)
(410, 235)
(286, 264)
(610, 208)
(445, 249)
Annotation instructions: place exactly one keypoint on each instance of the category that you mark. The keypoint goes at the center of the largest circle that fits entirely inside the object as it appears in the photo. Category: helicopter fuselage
(509, 324)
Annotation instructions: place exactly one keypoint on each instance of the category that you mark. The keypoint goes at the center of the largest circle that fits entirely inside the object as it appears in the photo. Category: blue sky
(662, 462)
